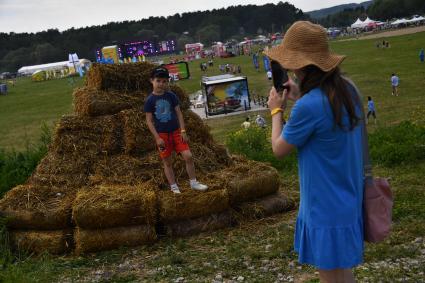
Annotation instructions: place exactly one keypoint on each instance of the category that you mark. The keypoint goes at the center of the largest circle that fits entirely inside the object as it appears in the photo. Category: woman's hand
(294, 91)
(277, 100)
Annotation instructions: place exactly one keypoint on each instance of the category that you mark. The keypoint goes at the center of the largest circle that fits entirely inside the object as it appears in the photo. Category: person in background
(165, 121)
(421, 55)
(260, 121)
(269, 75)
(395, 81)
(246, 124)
(325, 127)
(370, 109)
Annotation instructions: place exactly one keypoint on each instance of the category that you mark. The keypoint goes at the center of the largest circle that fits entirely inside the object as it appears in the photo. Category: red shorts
(173, 141)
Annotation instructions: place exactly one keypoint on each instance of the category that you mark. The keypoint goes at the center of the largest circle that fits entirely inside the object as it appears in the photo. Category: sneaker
(198, 186)
(175, 190)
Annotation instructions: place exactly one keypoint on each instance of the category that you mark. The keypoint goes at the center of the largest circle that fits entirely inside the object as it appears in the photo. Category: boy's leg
(190, 165)
(168, 170)
(190, 168)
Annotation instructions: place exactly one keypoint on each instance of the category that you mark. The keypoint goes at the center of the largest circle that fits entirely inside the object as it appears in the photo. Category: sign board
(178, 71)
(226, 95)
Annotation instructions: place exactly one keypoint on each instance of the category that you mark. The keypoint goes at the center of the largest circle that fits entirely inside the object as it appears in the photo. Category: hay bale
(202, 224)
(91, 136)
(71, 181)
(94, 102)
(137, 137)
(266, 206)
(122, 77)
(250, 180)
(38, 208)
(182, 96)
(112, 205)
(38, 242)
(191, 204)
(107, 239)
(62, 170)
(125, 169)
(197, 130)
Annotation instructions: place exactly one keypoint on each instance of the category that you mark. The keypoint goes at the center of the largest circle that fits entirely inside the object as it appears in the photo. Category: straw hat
(305, 44)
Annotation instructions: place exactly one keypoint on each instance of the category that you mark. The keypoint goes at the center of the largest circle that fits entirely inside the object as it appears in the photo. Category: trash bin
(3, 89)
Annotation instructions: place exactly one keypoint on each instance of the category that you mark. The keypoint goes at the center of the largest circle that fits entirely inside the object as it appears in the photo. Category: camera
(279, 75)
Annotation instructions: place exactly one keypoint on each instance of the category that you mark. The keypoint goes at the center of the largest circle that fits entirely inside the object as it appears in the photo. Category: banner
(266, 62)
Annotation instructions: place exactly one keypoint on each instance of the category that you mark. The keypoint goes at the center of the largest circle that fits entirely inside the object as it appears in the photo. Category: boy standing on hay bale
(165, 121)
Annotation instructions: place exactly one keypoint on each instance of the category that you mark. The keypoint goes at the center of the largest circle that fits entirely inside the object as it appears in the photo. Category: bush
(254, 143)
(16, 167)
(397, 145)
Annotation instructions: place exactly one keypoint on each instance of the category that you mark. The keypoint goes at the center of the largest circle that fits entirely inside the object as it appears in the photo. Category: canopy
(400, 21)
(357, 24)
(415, 19)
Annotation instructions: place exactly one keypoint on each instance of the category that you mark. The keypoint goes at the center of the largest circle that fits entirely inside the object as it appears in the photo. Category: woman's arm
(277, 103)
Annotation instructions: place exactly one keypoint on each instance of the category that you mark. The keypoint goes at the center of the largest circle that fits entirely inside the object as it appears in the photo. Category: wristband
(183, 131)
(275, 111)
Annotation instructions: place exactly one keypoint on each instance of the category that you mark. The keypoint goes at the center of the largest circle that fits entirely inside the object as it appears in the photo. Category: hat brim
(295, 60)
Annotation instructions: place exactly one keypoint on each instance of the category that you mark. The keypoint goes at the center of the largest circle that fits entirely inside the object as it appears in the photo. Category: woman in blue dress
(325, 127)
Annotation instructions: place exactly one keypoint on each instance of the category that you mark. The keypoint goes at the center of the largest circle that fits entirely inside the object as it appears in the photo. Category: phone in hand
(279, 75)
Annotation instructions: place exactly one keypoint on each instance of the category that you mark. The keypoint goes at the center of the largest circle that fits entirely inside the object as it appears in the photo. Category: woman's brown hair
(336, 89)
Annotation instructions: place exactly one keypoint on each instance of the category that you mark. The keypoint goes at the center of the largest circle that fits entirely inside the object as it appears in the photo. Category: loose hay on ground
(114, 205)
(191, 204)
(38, 242)
(94, 102)
(201, 224)
(38, 208)
(106, 239)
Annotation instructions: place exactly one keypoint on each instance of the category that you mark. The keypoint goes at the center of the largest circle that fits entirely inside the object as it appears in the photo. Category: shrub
(16, 167)
(254, 143)
(397, 145)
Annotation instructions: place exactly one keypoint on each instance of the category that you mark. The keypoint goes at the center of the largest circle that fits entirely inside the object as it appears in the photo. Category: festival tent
(57, 66)
(400, 21)
(358, 24)
(415, 19)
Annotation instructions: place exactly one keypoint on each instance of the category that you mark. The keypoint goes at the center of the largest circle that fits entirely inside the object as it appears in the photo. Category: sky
(37, 15)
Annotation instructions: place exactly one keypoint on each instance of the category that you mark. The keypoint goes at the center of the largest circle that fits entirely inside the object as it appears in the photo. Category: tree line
(235, 22)
(379, 10)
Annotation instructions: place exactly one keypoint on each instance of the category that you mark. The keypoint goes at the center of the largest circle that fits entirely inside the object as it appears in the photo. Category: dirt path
(390, 33)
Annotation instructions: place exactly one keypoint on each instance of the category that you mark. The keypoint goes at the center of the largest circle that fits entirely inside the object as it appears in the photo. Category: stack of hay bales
(102, 185)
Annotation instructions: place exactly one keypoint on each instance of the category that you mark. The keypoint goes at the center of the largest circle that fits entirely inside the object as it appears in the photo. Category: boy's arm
(180, 117)
(149, 122)
(181, 123)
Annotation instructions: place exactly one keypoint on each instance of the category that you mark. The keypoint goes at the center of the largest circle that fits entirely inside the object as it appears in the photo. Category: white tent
(415, 19)
(357, 24)
(399, 21)
(368, 21)
(29, 70)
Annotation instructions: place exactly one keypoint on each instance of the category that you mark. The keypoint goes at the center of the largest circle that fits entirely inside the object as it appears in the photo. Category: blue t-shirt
(395, 80)
(371, 105)
(329, 229)
(163, 111)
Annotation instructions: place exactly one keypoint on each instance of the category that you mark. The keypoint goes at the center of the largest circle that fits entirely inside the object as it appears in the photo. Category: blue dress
(329, 228)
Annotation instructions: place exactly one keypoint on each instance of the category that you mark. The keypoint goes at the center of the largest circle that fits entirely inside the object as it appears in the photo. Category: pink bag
(377, 209)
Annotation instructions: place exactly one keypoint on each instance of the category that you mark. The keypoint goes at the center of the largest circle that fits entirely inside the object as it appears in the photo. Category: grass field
(259, 251)
(30, 104)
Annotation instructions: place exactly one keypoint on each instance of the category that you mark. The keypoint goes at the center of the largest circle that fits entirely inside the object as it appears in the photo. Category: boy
(370, 109)
(165, 121)
(395, 82)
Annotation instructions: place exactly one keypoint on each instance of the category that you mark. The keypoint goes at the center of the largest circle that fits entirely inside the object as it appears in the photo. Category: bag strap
(367, 166)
